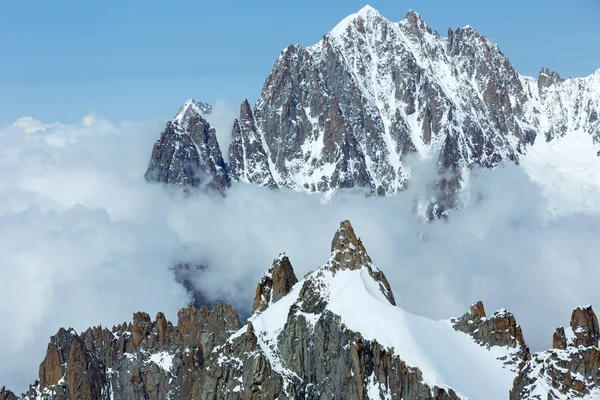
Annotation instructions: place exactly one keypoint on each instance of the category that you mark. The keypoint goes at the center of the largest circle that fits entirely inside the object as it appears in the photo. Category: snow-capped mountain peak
(367, 12)
(190, 109)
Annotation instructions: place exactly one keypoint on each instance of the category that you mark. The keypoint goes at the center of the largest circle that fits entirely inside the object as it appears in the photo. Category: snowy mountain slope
(445, 357)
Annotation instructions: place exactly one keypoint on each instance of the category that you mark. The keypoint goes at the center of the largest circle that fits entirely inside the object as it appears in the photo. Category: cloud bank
(85, 241)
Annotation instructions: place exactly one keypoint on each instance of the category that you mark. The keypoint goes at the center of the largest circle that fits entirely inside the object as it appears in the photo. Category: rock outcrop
(571, 369)
(6, 394)
(276, 283)
(501, 329)
(143, 359)
(547, 78)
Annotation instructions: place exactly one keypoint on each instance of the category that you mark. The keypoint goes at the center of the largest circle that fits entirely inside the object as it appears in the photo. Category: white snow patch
(163, 359)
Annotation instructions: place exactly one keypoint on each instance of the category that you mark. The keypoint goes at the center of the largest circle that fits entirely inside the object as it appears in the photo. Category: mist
(86, 241)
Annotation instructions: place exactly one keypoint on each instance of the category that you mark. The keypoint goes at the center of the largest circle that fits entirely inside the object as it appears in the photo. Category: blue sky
(139, 60)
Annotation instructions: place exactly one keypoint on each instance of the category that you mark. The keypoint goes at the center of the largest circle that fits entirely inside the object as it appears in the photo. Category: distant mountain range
(348, 112)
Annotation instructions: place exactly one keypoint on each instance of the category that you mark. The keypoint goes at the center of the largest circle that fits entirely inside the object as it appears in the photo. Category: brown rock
(161, 326)
(206, 327)
(50, 371)
(585, 327)
(142, 325)
(83, 377)
(477, 310)
(571, 368)
(6, 394)
(501, 329)
(348, 252)
(559, 339)
(276, 283)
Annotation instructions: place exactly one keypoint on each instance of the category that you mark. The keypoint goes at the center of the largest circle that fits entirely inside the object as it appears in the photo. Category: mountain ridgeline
(336, 333)
(349, 111)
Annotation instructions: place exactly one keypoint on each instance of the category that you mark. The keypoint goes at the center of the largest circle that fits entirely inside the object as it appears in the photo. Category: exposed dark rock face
(247, 149)
(501, 329)
(571, 369)
(188, 154)
(275, 284)
(547, 78)
(584, 325)
(144, 359)
(6, 394)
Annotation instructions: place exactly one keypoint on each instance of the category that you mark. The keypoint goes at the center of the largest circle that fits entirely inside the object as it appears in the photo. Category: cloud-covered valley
(84, 240)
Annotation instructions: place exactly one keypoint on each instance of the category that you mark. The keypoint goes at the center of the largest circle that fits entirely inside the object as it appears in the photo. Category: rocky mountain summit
(350, 110)
(336, 333)
(187, 152)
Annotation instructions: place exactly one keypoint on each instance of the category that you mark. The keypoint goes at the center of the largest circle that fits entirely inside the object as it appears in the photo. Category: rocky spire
(547, 78)
(248, 161)
(275, 283)
(207, 327)
(583, 330)
(414, 24)
(585, 327)
(348, 252)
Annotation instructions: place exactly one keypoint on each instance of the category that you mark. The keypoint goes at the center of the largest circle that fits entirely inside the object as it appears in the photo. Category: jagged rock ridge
(334, 334)
(348, 111)
(501, 329)
(571, 370)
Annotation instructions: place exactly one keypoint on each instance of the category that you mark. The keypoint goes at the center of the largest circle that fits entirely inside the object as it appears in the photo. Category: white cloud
(221, 119)
(84, 240)
(31, 125)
